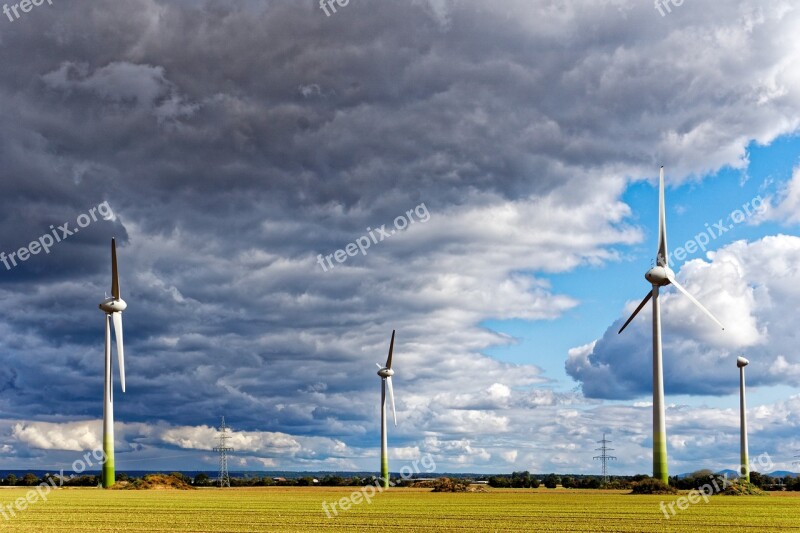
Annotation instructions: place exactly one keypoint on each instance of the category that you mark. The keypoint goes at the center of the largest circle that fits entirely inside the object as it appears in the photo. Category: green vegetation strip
(300, 509)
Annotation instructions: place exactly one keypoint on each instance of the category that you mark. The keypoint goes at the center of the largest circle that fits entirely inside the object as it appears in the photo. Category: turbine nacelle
(113, 305)
(741, 362)
(385, 372)
(660, 276)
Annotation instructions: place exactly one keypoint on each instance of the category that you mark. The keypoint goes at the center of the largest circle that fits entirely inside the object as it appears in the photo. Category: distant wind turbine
(386, 374)
(113, 307)
(660, 276)
(744, 469)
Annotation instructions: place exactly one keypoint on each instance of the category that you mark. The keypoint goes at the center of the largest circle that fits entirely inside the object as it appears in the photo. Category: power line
(223, 449)
(604, 457)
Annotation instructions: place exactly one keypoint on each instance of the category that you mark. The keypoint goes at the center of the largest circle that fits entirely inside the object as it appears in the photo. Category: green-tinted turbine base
(660, 468)
(385, 472)
(744, 469)
(108, 465)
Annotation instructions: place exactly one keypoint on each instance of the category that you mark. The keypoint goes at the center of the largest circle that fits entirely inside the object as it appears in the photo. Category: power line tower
(604, 457)
(223, 449)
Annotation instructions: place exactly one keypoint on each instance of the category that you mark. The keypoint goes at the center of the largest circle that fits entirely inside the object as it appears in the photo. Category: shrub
(450, 485)
(652, 486)
(742, 488)
(154, 482)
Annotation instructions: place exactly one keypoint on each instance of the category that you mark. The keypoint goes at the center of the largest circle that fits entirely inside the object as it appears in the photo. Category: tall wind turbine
(659, 276)
(744, 471)
(386, 374)
(113, 307)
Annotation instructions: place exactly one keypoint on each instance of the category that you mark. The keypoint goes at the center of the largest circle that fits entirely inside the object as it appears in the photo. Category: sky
(497, 162)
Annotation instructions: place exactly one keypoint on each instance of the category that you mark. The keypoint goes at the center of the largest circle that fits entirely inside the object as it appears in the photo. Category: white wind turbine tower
(744, 468)
(113, 307)
(660, 276)
(386, 374)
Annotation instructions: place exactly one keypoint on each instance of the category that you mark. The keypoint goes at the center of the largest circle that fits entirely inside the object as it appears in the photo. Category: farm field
(300, 509)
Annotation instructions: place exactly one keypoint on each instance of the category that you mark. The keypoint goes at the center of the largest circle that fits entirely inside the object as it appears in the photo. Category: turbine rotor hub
(658, 276)
(386, 373)
(113, 305)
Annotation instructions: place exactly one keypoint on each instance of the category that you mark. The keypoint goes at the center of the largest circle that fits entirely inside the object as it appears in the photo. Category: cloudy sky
(499, 159)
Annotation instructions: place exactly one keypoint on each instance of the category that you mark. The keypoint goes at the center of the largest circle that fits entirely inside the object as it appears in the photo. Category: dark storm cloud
(235, 141)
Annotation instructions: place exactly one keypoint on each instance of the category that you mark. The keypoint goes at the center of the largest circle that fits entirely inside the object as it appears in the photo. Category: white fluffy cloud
(72, 436)
(748, 286)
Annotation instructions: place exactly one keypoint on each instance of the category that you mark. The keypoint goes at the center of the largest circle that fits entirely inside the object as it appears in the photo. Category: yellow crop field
(300, 509)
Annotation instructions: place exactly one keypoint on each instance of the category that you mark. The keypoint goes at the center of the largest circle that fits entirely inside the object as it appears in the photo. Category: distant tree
(51, 480)
(591, 483)
(202, 480)
(535, 483)
(695, 480)
(551, 481)
(305, 481)
(182, 477)
(332, 481)
(499, 482)
(521, 480)
(122, 476)
(29, 480)
(11, 479)
(569, 482)
(83, 481)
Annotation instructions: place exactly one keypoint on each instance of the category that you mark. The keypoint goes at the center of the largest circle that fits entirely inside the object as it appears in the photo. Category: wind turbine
(386, 374)
(659, 276)
(113, 307)
(744, 469)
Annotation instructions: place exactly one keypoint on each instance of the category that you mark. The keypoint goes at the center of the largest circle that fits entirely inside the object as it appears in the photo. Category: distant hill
(783, 473)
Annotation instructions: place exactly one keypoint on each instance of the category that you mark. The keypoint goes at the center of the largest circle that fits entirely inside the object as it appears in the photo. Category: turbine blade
(391, 398)
(391, 349)
(114, 272)
(117, 317)
(661, 258)
(636, 312)
(678, 286)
